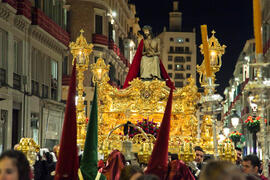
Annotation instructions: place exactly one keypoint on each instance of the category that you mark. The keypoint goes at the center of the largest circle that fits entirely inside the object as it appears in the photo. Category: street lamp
(100, 71)
(80, 51)
(235, 119)
(226, 131)
(212, 51)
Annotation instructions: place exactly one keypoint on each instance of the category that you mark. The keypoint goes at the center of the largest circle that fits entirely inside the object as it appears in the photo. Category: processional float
(147, 100)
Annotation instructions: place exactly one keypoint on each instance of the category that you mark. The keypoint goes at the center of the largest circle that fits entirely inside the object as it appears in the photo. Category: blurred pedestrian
(251, 165)
(14, 166)
(221, 170)
(131, 173)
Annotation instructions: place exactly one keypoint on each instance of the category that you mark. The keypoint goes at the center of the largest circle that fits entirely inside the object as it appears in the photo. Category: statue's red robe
(134, 70)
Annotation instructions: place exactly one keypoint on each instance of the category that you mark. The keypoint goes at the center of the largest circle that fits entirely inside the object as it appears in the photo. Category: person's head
(115, 163)
(147, 30)
(199, 154)
(49, 157)
(251, 164)
(169, 157)
(179, 170)
(131, 173)
(221, 170)
(239, 154)
(14, 166)
(148, 177)
(174, 157)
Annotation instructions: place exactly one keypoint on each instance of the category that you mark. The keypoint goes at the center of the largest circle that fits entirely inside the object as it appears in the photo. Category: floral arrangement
(235, 136)
(253, 124)
(149, 127)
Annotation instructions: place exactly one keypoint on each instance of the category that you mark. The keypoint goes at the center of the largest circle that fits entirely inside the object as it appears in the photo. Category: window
(179, 49)
(179, 67)
(65, 66)
(170, 58)
(179, 84)
(54, 69)
(179, 59)
(169, 66)
(179, 76)
(171, 39)
(54, 83)
(33, 64)
(171, 49)
(188, 59)
(188, 67)
(17, 57)
(188, 75)
(3, 49)
(187, 49)
(170, 74)
(98, 24)
(187, 39)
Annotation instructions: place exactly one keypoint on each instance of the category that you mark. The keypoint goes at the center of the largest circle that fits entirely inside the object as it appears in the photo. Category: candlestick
(257, 24)
(205, 49)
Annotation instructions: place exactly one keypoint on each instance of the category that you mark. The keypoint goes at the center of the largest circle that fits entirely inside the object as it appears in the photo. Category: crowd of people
(15, 166)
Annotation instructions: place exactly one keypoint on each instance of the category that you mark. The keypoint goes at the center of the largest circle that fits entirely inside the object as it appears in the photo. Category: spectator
(196, 165)
(148, 177)
(14, 165)
(251, 165)
(221, 170)
(131, 173)
(239, 156)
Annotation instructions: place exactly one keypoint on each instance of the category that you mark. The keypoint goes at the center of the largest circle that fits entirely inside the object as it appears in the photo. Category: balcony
(39, 18)
(35, 88)
(2, 76)
(24, 8)
(100, 39)
(65, 80)
(114, 47)
(12, 3)
(16, 81)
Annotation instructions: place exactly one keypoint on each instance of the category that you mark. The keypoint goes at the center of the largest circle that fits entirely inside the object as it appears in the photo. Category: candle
(257, 24)
(205, 49)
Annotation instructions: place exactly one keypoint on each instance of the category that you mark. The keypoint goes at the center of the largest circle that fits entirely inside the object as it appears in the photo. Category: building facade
(236, 97)
(111, 26)
(33, 43)
(178, 49)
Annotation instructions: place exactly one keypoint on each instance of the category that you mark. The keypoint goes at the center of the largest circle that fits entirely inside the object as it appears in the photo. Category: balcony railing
(39, 18)
(65, 80)
(2, 76)
(17, 81)
(24, 8)
(13, 3)
(100, 39)
(35, 88)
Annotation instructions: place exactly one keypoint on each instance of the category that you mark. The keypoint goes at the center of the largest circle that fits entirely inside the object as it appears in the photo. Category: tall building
(178, 49)
(111, 26)
(33, 43)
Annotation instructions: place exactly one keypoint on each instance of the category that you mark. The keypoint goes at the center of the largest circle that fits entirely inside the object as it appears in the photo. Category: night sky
(231, 19)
